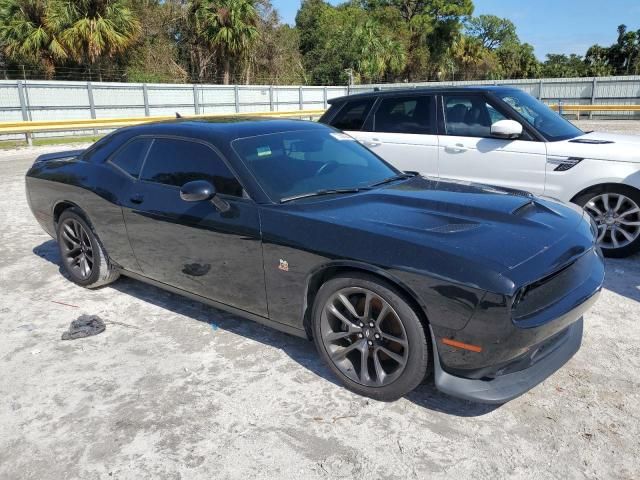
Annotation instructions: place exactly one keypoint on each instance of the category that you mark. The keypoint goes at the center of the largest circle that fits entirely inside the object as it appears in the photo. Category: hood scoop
(591, 141)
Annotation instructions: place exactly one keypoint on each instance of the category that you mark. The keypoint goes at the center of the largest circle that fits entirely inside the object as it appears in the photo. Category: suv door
(192, 245)
(467, 151)
(403, 132)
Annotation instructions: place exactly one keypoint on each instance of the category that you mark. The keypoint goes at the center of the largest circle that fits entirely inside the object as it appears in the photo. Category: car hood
(599, 146)
(490, 226)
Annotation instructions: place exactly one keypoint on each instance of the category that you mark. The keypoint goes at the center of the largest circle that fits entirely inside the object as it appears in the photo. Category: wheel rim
(77, 252)
(617, 217)
(364, 337)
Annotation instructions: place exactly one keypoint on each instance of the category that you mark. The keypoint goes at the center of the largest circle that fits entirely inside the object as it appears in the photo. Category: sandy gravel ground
(174, 389)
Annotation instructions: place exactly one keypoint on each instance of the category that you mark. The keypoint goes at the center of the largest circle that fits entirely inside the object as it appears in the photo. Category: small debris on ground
(84, 326)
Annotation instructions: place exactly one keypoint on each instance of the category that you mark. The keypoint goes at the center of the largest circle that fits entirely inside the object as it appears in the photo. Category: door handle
(457, 148)
(373, 143)
(137, 198)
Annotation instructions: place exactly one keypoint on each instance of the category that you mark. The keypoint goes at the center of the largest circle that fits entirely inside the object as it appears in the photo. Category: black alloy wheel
(370, 336)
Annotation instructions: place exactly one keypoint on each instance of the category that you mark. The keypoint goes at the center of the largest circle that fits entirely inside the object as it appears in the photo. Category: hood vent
(564, 163)
(453, 228)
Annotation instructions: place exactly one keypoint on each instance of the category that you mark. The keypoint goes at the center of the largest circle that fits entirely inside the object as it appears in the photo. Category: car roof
(422, 91)
(222, 129)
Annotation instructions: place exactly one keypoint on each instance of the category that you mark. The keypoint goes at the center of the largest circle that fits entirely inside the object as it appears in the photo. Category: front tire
(83, 257)
(616, 211)
(370, 337)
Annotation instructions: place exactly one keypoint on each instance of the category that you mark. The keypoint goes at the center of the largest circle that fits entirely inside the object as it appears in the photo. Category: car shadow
(622, 276)
(298, 349)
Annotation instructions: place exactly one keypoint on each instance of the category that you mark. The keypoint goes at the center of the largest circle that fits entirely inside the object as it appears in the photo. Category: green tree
(230, 27)
(276, 58)
(517, 60)
(433, 27)
(624, 54)
(492, 31)
(156, 55)
(471, 60)
(597, 61)
(94, 30)
(563, 66)
(27, 35)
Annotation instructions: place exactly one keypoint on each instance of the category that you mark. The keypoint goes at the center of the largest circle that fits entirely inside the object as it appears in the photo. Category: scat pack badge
(284, 265)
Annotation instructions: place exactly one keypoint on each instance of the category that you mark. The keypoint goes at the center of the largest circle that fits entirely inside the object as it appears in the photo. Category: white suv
(502, 136)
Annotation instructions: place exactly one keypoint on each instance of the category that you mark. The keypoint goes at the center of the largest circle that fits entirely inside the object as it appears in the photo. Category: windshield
(288, 164)
(553, 126)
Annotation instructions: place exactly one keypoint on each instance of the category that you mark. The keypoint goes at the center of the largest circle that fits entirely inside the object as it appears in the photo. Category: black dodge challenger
(299, 227)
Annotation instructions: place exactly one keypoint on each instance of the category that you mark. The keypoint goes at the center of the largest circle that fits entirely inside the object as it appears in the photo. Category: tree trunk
(227, 69)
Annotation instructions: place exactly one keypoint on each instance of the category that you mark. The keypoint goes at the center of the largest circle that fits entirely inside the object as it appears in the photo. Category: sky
(551, 26)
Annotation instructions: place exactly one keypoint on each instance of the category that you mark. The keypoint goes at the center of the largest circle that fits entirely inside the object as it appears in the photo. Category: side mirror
(509, 129)
(197, 191)
(200, 190)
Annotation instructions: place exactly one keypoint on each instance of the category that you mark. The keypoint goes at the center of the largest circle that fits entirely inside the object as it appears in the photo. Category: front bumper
(506, 387)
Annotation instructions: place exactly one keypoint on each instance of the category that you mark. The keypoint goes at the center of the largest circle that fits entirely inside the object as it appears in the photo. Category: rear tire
(370, 337)
(83, 257)
(616, 211)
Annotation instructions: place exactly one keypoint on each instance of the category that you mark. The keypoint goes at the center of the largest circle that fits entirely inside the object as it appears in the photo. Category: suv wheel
(616, 211)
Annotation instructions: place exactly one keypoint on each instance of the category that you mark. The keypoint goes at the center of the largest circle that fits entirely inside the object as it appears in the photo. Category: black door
(192, 245)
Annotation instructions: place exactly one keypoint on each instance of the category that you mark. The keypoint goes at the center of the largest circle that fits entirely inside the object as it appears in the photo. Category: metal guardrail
(111, 123)
(29, 127)
(578, 109)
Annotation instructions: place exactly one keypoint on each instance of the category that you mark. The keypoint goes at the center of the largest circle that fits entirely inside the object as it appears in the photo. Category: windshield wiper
(393, 179)
(318, 193)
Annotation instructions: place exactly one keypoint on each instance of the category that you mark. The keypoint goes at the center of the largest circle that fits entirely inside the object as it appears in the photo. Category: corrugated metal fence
(55, 100)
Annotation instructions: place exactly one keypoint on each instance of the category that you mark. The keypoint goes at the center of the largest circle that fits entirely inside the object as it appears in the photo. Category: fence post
(237, 98)
(324, 96)
(145, 98)
(23, 107)
(92, 104)
(271, 98)
(300, 99)
(196, 99)
(540, 90)
(594, 85)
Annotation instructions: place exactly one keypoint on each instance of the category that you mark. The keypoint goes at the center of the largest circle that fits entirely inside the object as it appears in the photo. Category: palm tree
(27, 35)
(379, 54)
(94, 29)
(228, 26)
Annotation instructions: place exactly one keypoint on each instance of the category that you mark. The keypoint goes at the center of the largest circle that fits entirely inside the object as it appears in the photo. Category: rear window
(129, 159)
(352, 115)
(406, 115)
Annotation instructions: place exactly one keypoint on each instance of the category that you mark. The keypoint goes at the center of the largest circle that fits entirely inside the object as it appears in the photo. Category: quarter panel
(96, 190)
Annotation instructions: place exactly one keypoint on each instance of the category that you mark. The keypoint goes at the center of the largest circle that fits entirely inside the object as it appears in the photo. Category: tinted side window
(130, 157)
(176, 162)
(469, 115)
(406, 115)
(353, 115)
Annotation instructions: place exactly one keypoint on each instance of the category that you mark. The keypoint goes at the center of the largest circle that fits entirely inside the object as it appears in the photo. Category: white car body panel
(406, 151)
(507, 163)
(520, 164)
(625, 148)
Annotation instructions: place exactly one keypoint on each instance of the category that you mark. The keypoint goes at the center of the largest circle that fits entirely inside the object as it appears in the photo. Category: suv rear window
(352, 115)
(412, 114)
